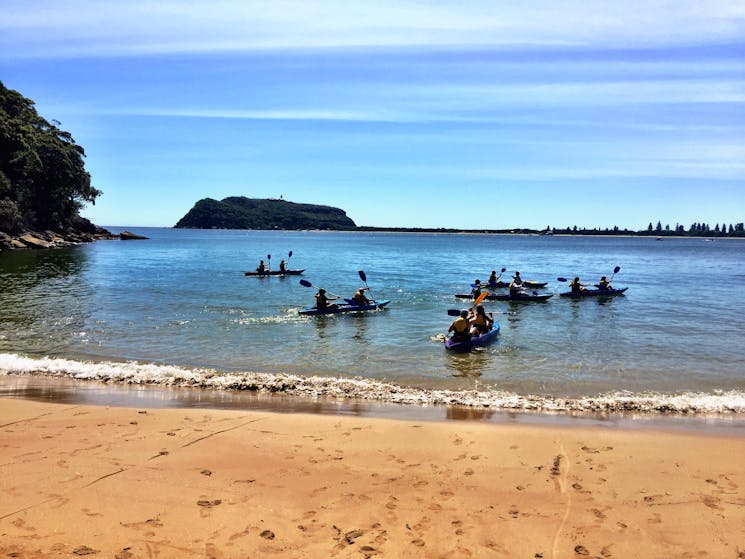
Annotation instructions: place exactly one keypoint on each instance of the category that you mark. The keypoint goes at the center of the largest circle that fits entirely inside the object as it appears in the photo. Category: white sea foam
(719, 402)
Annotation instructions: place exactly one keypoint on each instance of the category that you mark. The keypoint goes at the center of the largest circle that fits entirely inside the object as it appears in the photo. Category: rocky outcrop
(51, 239)
(129, 236)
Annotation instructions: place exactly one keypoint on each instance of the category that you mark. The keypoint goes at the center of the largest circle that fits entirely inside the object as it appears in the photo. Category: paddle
(363, 277)
(502, 271)
(268, 261)
(615, 271)
(306, 283)
(289, 255)
(480, 298)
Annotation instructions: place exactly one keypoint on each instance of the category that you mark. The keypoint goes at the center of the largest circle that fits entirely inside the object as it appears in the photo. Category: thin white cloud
(50, 28)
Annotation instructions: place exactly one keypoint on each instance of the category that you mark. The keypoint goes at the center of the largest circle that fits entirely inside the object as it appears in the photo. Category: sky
(406, 113)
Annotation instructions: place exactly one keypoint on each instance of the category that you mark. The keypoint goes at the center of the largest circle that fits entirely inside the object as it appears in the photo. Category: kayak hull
(275, 273)
(522, 297)
(478, 341)
(344, 308)
(594, 293)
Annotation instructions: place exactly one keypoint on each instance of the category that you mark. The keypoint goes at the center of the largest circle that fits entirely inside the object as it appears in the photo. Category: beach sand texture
(129, 483)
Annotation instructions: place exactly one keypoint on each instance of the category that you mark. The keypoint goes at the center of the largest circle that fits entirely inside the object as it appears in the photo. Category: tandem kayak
(493, 285)
(501, 284)
(594, 293)
(336, 309)
(510, 297)
(477, 341)
(275, 273)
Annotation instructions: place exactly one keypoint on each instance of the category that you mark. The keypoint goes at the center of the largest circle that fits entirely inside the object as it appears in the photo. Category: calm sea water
(180, 302)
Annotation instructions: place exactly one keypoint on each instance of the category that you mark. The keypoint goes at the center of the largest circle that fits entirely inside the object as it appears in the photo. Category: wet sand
(86, 480)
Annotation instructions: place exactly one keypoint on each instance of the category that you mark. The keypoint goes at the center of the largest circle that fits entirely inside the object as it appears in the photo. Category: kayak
(336, 309)
(275, 273)
(493, 285)
(510, 297)
(477, 341)
(594, 293)
(501, 284)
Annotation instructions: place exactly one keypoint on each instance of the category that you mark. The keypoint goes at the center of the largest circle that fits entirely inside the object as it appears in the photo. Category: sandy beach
(133, 482)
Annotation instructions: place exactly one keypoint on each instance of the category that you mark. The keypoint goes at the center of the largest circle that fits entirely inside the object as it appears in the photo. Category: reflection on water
(470, 364)
(470, 414)
(40, 295)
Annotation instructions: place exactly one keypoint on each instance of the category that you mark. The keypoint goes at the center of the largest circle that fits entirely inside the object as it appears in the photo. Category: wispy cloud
(49, 28)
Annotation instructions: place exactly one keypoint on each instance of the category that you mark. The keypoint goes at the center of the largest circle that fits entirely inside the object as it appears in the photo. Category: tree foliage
(43, 181)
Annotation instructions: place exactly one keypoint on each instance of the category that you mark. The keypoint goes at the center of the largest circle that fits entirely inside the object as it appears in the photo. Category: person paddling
(476, 291)
(604, 284)
(576, 286)
(460, 328)
(322, 301)
(261, 268)
(359, 297)
(480, 322)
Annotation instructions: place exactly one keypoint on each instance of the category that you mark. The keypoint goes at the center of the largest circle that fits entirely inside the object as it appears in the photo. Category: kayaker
(604, 284)
(322, 301)
(460, 328)
(261, 268)
(476, 291)
(515, 287)
(492, 278)
(576, 286)
(516, 279)
(282, 266)
(480, 322)
(359, 297)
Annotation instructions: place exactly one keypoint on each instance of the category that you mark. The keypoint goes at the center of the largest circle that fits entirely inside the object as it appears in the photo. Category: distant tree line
(43, 181)
(696, 229)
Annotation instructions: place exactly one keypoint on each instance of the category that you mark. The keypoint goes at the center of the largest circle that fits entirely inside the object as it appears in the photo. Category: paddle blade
(363, 277)
(453, 312)
(480, 298)
(504, 270)
(616, 269)
(289, 255)
(306, 283)
(561, 279)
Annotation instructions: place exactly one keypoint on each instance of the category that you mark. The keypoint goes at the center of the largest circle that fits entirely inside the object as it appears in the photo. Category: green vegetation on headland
(239, 212)
(43, 181)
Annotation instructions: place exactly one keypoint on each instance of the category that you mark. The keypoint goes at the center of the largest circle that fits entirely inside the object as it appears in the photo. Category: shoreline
(133, 482)
(72, 391)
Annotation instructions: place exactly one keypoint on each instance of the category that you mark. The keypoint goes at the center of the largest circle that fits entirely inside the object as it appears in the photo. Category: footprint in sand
(84, 550)
(209, 504)
(556, 468)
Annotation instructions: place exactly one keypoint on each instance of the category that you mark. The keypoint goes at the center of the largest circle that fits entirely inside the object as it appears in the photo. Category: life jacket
(460, 326)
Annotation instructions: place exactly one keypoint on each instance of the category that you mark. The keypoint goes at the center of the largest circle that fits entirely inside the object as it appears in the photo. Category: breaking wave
(133, 373)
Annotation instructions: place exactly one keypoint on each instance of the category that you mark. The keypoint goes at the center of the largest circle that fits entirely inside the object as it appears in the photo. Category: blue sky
(479, 114)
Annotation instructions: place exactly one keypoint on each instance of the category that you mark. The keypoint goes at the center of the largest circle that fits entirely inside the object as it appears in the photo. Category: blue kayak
(342, 308)
(482, 340)
(594, 293)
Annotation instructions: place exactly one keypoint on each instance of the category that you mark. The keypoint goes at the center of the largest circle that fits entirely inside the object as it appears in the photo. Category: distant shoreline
(450, 231)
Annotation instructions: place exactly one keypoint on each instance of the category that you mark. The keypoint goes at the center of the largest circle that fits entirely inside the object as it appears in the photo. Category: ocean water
(177, 309)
